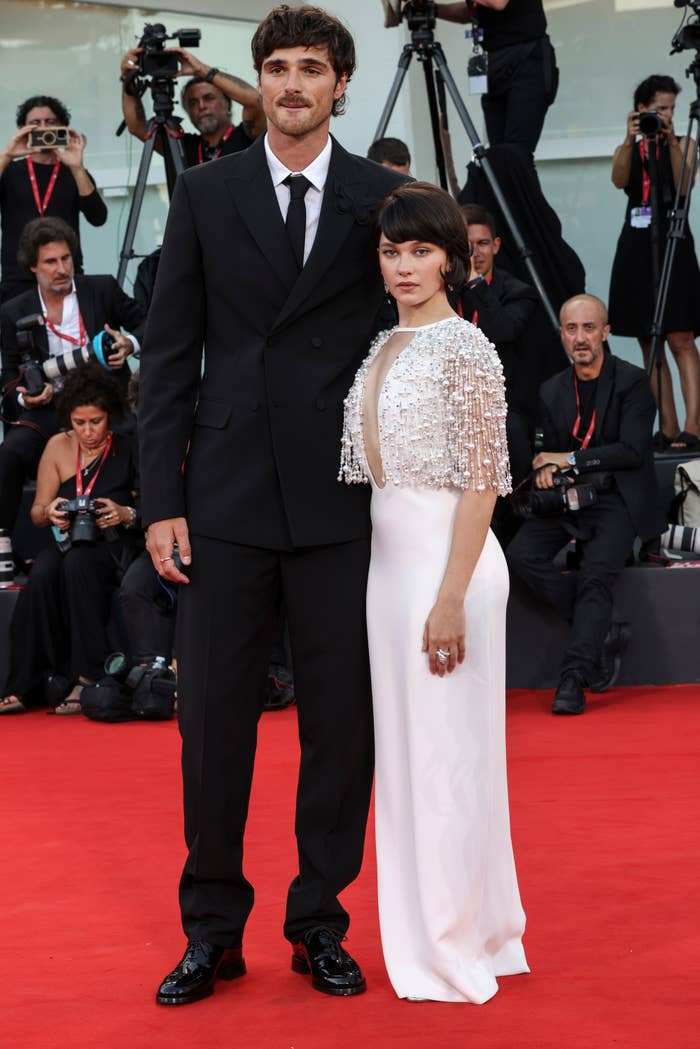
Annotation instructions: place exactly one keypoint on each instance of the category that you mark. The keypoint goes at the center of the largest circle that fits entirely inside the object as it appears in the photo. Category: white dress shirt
(316, 173)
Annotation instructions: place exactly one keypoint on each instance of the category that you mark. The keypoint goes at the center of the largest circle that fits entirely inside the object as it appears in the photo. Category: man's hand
(546, 463)
(72, 154)
(130, 61)
(190, 65)
(120, 350)
(160, 537)
(45, 397)
(17, 146)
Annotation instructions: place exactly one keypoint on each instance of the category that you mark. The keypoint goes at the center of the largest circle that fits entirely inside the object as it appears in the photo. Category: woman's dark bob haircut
(89, 384)
(423, 212)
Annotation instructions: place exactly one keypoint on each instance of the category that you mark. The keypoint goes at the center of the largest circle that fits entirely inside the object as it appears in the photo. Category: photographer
(648, 167)
(40, 181)
(598, 415)
(522, 76)
(74, 309)
(207, 100)
(60, 619)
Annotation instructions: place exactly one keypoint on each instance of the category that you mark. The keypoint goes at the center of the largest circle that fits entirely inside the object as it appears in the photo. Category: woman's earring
(387, 293)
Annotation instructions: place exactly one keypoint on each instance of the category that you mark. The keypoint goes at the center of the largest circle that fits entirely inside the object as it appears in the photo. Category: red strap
(646, 181)
(78, 472)
(589, 433)
(475, 315)
(200, 152)
(80, 341)
(41, 205)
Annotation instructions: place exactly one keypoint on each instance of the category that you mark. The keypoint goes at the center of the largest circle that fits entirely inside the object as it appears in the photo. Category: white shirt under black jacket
(316, 173)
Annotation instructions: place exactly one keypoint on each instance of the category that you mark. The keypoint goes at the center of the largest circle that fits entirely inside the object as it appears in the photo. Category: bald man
(597, 418)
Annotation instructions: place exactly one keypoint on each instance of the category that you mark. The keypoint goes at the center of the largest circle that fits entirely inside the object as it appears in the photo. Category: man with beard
(598, 414)
(207, 98)
(269, 264)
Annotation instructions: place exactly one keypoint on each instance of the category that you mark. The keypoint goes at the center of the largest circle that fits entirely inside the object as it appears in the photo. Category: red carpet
(605, 812)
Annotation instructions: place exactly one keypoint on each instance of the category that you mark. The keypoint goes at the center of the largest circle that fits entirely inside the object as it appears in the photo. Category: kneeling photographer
(86, 492)
(598, 487)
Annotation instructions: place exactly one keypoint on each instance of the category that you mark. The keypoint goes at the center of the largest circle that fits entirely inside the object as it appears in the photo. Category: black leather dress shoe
(332, 969)
(608, 669)
(200, 967)
(569, 697)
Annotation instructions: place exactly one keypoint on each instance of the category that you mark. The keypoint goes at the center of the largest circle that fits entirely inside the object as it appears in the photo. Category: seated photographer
(42, 181)
(391, 152)
(206, 98)
(597, 421)
(86, 491)
(74, 310)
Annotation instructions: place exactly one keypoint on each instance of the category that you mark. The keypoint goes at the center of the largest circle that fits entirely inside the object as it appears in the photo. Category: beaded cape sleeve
(441, 413)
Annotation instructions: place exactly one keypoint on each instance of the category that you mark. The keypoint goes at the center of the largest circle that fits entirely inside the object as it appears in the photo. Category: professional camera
(650, 123)
(83, 514)
(47, 138)
(154, 60)
(35, 373)
(688, 36)
(100, 350)
(419, 14)
(32, 374)
(566, 495)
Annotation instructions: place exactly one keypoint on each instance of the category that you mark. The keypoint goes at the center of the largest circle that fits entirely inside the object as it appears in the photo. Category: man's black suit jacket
(101, 302)
(621, 442)
(260, 429)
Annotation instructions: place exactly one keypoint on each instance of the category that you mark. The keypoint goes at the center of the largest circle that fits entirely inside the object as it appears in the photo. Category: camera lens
(650, 122)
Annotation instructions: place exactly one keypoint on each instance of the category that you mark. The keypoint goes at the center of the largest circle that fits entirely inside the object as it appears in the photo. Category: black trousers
(515, 108)
(20, 453)
(585, 597)
(148, 611)
(226, 622)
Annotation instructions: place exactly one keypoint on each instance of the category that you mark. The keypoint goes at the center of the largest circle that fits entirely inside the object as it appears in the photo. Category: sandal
(71, 704)
(12, 705)
(691, 441)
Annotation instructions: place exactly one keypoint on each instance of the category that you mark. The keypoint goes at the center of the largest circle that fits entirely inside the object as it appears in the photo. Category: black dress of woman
(61, 617)
(632, 293)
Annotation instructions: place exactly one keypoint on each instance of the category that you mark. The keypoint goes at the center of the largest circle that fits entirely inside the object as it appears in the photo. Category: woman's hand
(111, 514)
(445, 629)
(632, 126)
(57, 517)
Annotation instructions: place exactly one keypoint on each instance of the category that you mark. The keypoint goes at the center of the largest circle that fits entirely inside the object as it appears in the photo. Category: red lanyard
(475, 315)
(200, 153)
(79, 475)
(41, 205)
(80, 341)
(589, 432)
(646, 181)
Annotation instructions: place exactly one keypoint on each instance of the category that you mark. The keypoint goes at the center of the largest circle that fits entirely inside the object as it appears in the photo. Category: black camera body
(82, 512)
(32, 371)
(420, 15)
(154, 59)
(48, 138)
(566, 496)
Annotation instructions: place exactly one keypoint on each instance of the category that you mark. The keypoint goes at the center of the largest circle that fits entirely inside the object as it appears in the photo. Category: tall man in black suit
(596, 420)
(285, 316)
(75, 308)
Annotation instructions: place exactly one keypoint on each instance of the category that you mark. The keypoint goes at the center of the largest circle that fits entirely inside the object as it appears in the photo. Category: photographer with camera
(648, 167)
(207, 99)
(48, 179)
(598, 414)
(86, 491)
(513, 63)
(68, 312)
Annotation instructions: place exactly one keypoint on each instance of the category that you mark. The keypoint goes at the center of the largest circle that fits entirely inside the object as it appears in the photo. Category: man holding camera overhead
(42, 173)
(598, 415)
(74, 309)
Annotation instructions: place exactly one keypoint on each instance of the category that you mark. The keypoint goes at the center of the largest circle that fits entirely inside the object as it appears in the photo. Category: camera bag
(152, 692)
(107, 700)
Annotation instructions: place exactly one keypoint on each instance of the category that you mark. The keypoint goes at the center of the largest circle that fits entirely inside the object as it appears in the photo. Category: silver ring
(443, 657)
(164, 559)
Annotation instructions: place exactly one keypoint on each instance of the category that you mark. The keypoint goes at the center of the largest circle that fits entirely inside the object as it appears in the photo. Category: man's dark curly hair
(89, 384)
(306, 27)
(645, 91)
(421, 211)
(46, 230)
(35, 102)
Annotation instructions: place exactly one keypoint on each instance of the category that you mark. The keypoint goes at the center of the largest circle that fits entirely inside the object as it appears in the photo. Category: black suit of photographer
(621, 447)
(101, 302)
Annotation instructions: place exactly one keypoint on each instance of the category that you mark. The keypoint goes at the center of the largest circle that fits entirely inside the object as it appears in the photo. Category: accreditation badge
(640, 218)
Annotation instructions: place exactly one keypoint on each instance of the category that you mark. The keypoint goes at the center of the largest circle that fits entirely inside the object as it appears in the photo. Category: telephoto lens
(678, 537)
(7, 565)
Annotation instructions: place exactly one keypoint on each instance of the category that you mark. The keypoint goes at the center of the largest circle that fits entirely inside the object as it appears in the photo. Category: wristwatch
(209, 78)
(571, 458)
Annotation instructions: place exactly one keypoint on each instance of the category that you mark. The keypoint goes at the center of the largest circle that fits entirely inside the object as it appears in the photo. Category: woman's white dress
(449, 907)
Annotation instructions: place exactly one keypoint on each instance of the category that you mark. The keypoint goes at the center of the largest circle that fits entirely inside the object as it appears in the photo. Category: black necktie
(296, 215)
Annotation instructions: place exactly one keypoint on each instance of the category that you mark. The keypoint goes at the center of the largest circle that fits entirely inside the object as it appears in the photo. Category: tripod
(438, 76)
(676, 232)
(165, 128)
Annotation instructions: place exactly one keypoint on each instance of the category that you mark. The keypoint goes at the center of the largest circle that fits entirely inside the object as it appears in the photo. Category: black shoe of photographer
(201, 966)
(608, 668)
(569, 697)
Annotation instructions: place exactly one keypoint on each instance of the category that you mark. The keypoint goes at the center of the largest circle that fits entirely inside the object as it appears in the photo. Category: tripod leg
(479, 152)
(434, 117)
(177, 154)
(403, 64)
(135, 210)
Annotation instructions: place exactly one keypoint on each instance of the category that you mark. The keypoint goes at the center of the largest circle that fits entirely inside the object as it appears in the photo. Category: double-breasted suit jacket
(259, 427)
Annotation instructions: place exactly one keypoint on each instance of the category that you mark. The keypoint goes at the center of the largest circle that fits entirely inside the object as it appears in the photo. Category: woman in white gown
(425, 426)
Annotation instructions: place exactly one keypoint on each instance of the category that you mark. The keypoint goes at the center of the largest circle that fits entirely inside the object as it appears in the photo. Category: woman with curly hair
(60, 621)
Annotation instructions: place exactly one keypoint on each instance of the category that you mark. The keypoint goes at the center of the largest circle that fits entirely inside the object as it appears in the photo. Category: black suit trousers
(226, 623)
(20, 453)
(584, 597)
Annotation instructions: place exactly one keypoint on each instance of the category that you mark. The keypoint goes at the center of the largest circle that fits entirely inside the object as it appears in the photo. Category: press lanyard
(80, 341)
(79, 475)
(41, 205)
(574, 433)
(646, 181)
(217, 154)
(475, 315)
